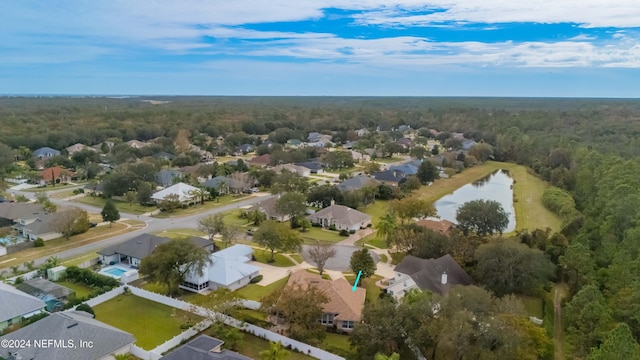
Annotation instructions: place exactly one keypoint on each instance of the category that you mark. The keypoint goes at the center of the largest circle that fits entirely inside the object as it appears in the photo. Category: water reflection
(497, 186)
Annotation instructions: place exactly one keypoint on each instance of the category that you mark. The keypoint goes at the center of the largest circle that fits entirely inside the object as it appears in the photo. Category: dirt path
(558, 335)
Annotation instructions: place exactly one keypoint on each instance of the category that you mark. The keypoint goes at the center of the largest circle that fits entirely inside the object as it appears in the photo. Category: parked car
(92, 225)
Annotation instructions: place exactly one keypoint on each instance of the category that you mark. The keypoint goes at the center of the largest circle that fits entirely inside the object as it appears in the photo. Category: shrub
(39, 242)
(352, 231)
(86, 308)
(344, 232)
(19, 280)
(91, 279)
(255, 279)
(78, 191)
(332, 227)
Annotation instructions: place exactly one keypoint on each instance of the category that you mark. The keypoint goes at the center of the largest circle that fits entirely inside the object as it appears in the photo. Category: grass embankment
(199, 208)
(54, 246)
(257, 292)
(151, 323)
(122, 206)
(528, 189)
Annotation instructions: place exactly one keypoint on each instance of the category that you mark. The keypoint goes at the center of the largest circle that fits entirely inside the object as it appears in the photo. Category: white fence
(250, 304)
(26, 276)
(252, 329)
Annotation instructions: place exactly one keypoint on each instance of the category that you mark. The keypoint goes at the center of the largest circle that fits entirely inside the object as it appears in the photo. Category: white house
(184, 191)
(227, 269)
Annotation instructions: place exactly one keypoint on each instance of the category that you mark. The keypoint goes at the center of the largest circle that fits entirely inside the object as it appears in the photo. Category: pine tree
(110, 213)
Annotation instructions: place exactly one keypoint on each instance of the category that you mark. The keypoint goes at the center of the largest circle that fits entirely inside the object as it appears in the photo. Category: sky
(538, 48)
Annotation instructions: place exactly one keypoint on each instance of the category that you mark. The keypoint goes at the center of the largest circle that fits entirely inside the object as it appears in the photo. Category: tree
(386, 226)
(483, 217)
(256, 217)
(110, 213)
(212, 224)
(619, 344)
(145, 191)
(71, 222)
(323, 195)
(288, 181)
(505, 267)
(300, 307)
(200, 194)
(427, 172)
(381, 330)
(338, 160)
(170, 202)
(130, 196)
(410, 183)
(362, 260)
(292, 204)
(371, 167)
(411, 207)
(275, 352)
(320, 254)
(170, 262)
(587, 319)
(229, 235)
(273, 236)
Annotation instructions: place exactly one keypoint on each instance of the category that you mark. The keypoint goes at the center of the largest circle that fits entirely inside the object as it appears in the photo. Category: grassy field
(179, 233)
(528, 189)
(231, 218)
(533, 306)
(376, 210)
(195, 209)
(338, 341)
(369, 284)
(54, 246)
(374, 240)
(81, 290)
(315, 233)
(63, 194)
(74, 261)
(122, 206)
(388, 160)
(257, 292)
(252, 345)
(57, 187)
(151, 323)
(279, 259)
(383, 258)
(297, 257)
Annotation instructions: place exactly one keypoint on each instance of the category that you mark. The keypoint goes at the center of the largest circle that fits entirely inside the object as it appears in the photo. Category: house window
(327, 319)
(348, 324)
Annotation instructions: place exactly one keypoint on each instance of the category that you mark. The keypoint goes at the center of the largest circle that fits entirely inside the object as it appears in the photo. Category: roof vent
(72, 325)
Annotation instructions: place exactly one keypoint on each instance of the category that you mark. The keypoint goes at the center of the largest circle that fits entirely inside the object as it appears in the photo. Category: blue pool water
(114, 272)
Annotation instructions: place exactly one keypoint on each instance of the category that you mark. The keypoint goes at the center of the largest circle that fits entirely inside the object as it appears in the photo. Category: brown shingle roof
(264, 159)
(343, 301)
(442, 226)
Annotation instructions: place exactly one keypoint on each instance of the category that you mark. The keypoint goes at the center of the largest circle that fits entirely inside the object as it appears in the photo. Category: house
(362, 132)
(324, 141)
(45, 152)
(344, 307)
(435, 275)
(268, 207)
(357, 183)
(52, 294)
(203, 348)
(227, 269)
(95, 189)
(243, 149)
(389, 177)
(294, 143)
(57, 174)
(261, 161)
(167, 177)
(163, 155)
(98, 147)
(206, 156)
(404, 128)
(42, 226)
(467, 144)
(60, 328)
(12, 213)
(406, 168)
(136, 144)
(404, 142)
(314, 136)
(314, 167)
(185, 193)
(342, 217)
(78, 147)
(349, 145)
(300, 170)
(441, 226)
(360, 157)
(220, 184)
(17, 305)
(132, 251)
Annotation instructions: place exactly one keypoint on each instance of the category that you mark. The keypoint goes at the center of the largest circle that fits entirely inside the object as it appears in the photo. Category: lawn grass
(63, 194)
(336, 341)
(196, 209)
(375, 240)
(315, 271)
(528, 189)
(180, 233)
(257, 292)
(122, 206)
(388, 160)
(77, 260)
(313, 234)
(373, 291)
(81, 290)
(57, 187)
(383, 258)
(231, 218)
(376, 210)
(151, 323)
(532, 305)
(279, 260)
(252, 345)
(54, 246)
(297, 257)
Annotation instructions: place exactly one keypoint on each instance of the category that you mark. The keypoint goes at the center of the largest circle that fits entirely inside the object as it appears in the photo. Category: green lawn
(194, 209)
(375, 240)
(297, 257)
(63, 194)
(151, 323)
(388, 160)
(532, 305)
(339, 342)
(231, 218)
(279, 259)
(75, 261)
(383, 258)
(179, 233)
(81, 290)
(528, 189)
(124, 207)
(57, 187)
(257, 292)
(314, 271)
(314, 234)
(252, 345)
(376, 210)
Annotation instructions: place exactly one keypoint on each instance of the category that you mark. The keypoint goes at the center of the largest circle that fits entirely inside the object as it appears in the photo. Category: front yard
(196, 209)
(257, 292)
(151, 323)
(122, 206)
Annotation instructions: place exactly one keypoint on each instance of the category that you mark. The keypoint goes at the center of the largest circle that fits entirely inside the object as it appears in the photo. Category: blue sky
(569, 48)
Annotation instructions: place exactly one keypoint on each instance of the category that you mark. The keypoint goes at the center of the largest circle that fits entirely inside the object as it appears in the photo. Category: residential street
(153, 224)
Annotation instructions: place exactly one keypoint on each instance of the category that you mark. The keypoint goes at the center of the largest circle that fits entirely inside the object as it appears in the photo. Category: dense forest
(588, 149)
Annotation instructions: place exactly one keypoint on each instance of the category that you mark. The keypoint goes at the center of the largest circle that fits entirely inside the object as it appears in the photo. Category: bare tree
(229, 235)
(241, 182)
(71, 222)
(320, 255)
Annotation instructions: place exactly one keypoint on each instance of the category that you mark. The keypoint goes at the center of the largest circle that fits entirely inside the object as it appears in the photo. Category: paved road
(153, 224)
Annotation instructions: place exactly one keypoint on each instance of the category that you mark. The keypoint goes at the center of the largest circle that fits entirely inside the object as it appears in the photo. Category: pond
(496, 186)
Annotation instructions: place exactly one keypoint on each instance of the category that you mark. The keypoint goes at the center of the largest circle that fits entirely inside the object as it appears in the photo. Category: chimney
(443, 278)
(333, 202)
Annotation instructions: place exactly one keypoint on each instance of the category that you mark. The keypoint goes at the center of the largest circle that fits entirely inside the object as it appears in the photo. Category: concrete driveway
(341, 261)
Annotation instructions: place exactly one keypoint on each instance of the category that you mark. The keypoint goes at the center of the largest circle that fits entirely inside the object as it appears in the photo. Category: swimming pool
(113, 271)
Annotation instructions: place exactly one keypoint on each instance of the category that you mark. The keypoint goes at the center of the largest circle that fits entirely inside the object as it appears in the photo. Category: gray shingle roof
(16, 303)
(215, 182)
(356, 183)
(165, 177)
(14, 211)
(143, 245)
(341, 215)
(200, 349)
(427, 273)
(42, 288)
(65, 326)
(44, 224)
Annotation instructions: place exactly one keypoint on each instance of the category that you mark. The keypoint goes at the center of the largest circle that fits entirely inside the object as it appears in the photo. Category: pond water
(496, 186)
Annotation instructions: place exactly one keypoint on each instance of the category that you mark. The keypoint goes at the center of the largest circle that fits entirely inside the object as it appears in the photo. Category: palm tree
(386, 226)
(256, 216)
(275, 352)
(199, 193)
